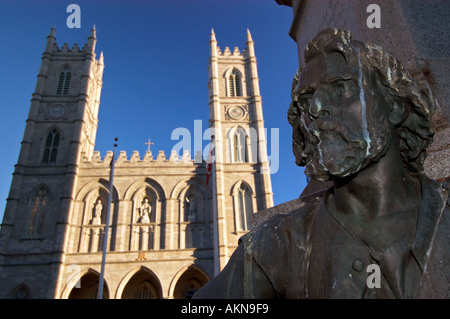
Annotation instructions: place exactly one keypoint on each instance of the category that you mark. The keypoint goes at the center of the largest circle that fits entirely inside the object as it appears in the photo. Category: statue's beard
(332, 150)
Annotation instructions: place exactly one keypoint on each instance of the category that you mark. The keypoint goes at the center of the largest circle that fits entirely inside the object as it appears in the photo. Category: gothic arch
(54, 127)
(51, 144)
(89, 193)
(192, 185)
(88, 286)
(244, 204)
(90, 220)
(64, 67)
(231, 69)
(37, 209)
(38, 187)
(235, 187)
(138, 197)
(180, 189)
(239, 81)
(21, 291)
(90, 200)
(239, 148)
(135, 279)
(191, 275)
(144, 219)
(147, 215)
(101, 182)
(192, 198)
(131, 190)
(192, 203)
(64, 79)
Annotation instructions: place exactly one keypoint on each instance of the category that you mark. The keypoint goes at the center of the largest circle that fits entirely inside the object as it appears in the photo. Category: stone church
(165, 239)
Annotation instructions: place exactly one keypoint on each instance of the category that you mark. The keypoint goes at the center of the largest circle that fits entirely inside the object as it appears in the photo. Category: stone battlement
(66, 49)
(148, 158)
(227, 52)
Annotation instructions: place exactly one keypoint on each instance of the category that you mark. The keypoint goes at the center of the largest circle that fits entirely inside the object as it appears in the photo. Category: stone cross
(149, 144)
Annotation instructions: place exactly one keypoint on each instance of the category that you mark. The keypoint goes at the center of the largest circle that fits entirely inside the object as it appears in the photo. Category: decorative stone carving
(236, 112)
(57, 112)
(98, 208)
(144, 211)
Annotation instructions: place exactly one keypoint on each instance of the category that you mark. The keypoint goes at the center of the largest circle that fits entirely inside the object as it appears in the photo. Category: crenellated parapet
(135, 158)
(228, 53)
(53, 48)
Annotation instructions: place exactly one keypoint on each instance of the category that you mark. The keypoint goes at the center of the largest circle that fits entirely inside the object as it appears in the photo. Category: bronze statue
(360, 121)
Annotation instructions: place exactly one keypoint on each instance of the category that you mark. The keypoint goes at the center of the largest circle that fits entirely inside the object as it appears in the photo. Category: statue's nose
(319, 109)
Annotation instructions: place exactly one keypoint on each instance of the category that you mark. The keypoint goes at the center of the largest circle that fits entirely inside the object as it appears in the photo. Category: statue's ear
(398, 113)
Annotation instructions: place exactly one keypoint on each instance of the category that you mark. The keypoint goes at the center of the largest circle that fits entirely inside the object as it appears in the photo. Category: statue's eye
(305, 100)
(339, 89)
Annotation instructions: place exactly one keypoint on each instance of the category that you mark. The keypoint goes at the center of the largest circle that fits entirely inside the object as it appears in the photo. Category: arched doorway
(189, 282)
(143, 285)
(88, 287)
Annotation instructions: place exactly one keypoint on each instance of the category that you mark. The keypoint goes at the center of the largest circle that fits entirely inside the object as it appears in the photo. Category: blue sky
(156, 70)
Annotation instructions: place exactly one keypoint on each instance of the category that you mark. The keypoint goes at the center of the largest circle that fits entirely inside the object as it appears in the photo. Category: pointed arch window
(51, 147)
(193, 223)
(21, 292)
(244, 207)
(239, 146)
(234, 84)
(64, 82)
(40, 203)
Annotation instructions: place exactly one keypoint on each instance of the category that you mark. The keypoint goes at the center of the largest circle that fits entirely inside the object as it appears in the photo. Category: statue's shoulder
(282, 226)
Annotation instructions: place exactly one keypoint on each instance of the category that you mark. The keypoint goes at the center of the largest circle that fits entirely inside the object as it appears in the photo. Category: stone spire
(250, 44)
(51, 38)
(213, 43)
(92, 40)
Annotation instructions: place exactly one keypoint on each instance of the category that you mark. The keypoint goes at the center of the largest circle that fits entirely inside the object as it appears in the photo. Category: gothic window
(239, 146)
(143, 220)
(64, 82)
(192, 218)
(234, 84)
(244, 207)
(38, 209)
(51, 147)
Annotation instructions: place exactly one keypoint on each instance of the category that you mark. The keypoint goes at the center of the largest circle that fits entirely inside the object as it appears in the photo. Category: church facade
(169, 230)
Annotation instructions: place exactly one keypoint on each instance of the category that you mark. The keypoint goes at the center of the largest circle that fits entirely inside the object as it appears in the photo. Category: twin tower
(161, 242)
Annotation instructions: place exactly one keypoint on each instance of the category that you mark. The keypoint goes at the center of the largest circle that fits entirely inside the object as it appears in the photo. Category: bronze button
(358, 265)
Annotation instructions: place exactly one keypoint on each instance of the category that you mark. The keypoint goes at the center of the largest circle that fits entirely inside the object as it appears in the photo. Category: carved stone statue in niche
(145, 211)
(361, 122)
(98, 208)
(190, 209)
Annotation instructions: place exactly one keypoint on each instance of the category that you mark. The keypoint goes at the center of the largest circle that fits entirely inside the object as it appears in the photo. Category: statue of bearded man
(361, 122)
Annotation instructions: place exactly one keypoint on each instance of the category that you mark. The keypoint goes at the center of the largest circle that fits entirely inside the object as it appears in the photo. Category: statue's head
(351, 101)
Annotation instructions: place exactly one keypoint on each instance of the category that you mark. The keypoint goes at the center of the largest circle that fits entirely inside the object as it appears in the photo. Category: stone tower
(62, 123)
(242, 168)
